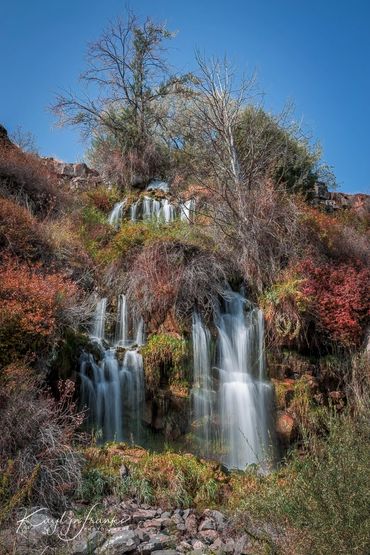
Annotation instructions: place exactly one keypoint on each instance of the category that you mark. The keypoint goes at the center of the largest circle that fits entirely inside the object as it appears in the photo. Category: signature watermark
(66, 528)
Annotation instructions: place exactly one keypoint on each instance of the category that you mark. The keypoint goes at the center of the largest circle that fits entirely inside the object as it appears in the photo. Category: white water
(115, 217)
(245, 396)
(113, 388)
(202, 394)
(232, 424)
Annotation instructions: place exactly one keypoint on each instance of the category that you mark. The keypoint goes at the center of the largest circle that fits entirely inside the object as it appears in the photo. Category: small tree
(126, 81)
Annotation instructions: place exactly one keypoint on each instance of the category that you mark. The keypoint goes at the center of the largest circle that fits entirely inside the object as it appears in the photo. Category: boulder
(123, 541)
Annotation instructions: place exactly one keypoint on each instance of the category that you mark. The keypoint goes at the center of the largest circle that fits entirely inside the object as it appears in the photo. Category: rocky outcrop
(125, 527)
(4, 138)
(333, 201)
(78, 176)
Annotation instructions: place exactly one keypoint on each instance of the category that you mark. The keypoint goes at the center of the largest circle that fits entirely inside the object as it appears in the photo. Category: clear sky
(314, 52)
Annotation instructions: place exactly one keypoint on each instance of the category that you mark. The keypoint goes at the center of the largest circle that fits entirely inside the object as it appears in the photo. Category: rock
(191, 525)
(184, 546)
(218, 517)
(88, 545)
(121, 542)
(177, 518)
(154, 523)
(217, 546)
(208, 524)
(209, 536)
(124, 471)
(229, 546)
(242, 546)
(198, 545)
(157, 542)
(143, 514)
(285, 426)
(165, 552)
(37, 523)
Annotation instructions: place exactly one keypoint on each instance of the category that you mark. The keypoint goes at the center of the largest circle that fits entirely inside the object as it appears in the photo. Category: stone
(157, 542)
(121, 542)
(153, 523)
(208, 524)
(242, 546)
(209, 536)
(165, 552)
(229, 546)
(37, 523)
(191, 525)
(184, 546)
(143, 514)
(88, 545)
(198, 545)
(285, 426)
(218, 517)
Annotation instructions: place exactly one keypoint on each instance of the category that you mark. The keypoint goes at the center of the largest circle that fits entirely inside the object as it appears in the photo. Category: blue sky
(314, 52)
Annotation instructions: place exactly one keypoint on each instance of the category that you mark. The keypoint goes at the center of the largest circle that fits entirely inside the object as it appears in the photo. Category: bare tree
(253, 212)
(126, 79)
(24, 139)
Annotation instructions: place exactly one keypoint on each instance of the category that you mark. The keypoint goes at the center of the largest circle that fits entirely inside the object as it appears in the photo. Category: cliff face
(332, 201)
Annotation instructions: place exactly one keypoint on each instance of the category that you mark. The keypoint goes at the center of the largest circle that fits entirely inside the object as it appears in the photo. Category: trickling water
(115, 216)
(202, 393)
(113, 388)
(236, 416)
(98, 327)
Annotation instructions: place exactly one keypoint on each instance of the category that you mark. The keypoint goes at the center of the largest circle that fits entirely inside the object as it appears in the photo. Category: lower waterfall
(112, 389)
(232, 400)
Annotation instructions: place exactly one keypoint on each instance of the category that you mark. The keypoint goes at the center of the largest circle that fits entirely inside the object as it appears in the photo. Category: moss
(164, 361)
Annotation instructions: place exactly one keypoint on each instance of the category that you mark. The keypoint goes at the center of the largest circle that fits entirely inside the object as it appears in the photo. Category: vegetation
(252, 175)
(164, 358)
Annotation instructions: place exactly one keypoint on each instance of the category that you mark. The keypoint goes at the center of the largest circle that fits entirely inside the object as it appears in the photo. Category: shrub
(164, 360)
(25, 178)
(37, 460)
(20, 232)
(103, 198)
(34, 307)
(339, 297)
(319, 499)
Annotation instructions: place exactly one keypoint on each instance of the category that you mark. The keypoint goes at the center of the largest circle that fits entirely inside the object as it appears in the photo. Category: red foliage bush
(339, 297)
(26, 178)
(32, 308)
(20, 232)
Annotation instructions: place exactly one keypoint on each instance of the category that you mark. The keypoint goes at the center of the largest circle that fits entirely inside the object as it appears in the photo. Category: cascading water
(113, 388)
(202, 394)
(233, 400)
(187, 210)
(115, 216)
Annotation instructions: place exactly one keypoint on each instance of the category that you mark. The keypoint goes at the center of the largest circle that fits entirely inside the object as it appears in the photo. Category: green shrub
(164, 360)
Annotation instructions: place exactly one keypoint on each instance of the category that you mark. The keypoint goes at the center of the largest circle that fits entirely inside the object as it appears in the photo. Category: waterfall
(113, 388)
(187, 209)
(158, 186)
(245, 397)
(98, 327)
(201, 393)
(232, 402)
(115, 216)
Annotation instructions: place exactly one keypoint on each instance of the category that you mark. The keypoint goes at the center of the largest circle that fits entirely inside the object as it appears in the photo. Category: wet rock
(120, 542)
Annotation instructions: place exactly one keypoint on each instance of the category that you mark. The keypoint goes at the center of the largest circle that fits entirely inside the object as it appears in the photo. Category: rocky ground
(124, 528)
